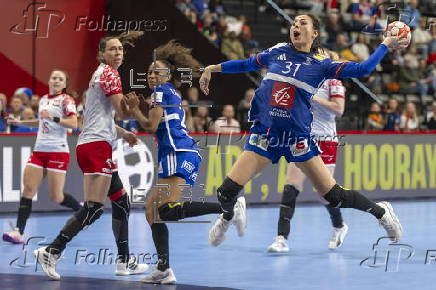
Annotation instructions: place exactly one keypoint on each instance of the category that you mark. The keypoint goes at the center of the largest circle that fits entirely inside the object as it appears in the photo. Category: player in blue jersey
(282, 118)
(178, 155)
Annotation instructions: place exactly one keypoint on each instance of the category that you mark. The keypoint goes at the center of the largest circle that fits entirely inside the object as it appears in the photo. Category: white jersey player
(94, 155)
(327, 104)
(57, 113)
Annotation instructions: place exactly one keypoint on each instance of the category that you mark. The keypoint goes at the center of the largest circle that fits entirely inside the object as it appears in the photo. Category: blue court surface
(240, 263)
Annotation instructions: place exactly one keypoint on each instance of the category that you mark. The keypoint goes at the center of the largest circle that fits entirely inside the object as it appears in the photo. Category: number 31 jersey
(52, 137)
(283, 100)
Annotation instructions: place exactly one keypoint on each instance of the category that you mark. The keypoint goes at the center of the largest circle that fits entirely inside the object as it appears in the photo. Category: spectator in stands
(192, 96)
(34, 103)
(16, 107)
(429, 74)
(409, 120)
(202, 121)
(360, 48)
(227, 122)
(26, 114)
(207, 24)
(392, 117)
(422, 38)
(184, 5)
(411, 79)
(247, 35)
(214, 37)
(3, 100)
(412, 56)
(430, 120)
(342, 47)
(24, 94)
(374, 120)
(243, 108)
(222, 25)
(200, 7)
(188, 116)
(333, 28)
(432, 44)
(232, 47)
(362, 12)
(413, 14)
(3, 124)
(216, 6)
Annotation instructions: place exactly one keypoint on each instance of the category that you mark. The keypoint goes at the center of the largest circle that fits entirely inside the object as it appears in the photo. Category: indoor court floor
(363, 262)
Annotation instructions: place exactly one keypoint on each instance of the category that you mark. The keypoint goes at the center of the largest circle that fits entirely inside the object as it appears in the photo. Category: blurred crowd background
(404, 83)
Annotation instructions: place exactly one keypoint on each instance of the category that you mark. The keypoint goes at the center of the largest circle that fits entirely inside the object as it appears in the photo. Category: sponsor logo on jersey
(188, 166)
(283, 95)
(300, 147)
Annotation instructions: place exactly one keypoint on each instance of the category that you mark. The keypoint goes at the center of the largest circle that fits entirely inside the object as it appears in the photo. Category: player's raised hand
(205, 80)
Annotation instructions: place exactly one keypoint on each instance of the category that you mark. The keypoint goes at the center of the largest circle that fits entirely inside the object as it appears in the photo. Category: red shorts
(52, 161)
(329, 150)
(95, 158)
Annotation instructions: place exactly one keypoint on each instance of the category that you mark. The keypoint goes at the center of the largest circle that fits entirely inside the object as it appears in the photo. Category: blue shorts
(184, 164)
(275, 144)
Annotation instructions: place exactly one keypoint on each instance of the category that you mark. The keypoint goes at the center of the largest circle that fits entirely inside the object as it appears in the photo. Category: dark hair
(317, 26)
(67, 89)
(174, 55)
(126, 38)
(316, 45)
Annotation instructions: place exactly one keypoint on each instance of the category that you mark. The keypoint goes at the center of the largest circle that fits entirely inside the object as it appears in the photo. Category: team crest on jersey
(300, 147)
(283, 95)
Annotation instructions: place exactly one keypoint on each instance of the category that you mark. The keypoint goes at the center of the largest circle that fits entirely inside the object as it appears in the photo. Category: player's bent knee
(89, 213)
(171, 211)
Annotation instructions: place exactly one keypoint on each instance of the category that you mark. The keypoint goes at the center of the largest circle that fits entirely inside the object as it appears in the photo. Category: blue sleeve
(343, 70)
(253, 63)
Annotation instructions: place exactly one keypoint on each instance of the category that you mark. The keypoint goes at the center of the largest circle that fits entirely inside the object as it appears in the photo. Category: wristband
(56, 119)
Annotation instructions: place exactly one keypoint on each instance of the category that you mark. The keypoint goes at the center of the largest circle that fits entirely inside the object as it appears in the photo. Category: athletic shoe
(130, 268)
(280, 245)
(48, 262)
(13, 237)
(240, 217)
(217, 233)
(389, 221)
(338, 235)
(160, 277)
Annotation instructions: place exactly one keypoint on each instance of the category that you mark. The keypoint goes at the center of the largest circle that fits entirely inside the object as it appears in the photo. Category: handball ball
(397, 28)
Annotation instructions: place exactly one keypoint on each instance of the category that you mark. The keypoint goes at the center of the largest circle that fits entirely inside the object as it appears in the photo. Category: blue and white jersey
(283, 100)
(172, 134)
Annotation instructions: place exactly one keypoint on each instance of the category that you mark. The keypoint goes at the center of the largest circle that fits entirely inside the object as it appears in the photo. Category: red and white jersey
(52, 137)
(98, 115)
(324, 124)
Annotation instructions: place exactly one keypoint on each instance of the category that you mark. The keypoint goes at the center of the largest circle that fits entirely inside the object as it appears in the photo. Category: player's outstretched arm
(231, 66)
(356, 70)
